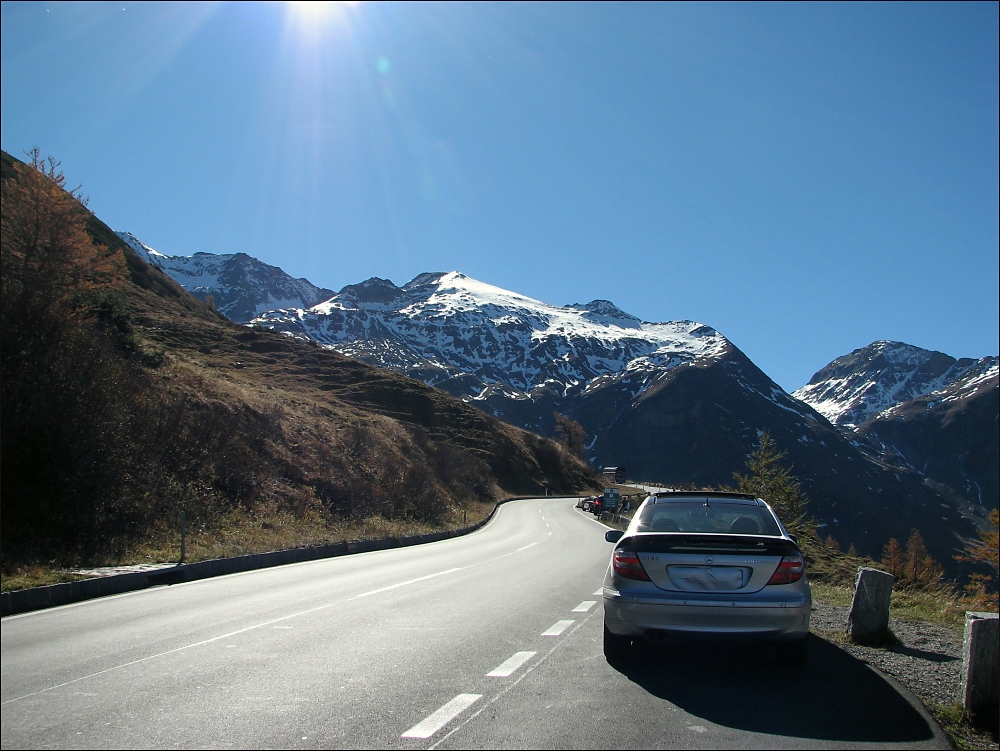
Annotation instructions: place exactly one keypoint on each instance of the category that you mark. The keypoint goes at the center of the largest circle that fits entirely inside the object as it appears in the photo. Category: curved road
(492, 640)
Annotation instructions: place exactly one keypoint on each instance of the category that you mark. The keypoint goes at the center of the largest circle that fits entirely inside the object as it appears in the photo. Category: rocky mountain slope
(920, 411)
(241, 286)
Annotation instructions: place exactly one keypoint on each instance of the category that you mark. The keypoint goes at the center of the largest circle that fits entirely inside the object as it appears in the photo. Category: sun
(317, 10)
(314, 21)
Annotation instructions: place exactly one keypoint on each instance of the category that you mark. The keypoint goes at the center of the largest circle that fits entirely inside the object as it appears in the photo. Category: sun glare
(318, 11)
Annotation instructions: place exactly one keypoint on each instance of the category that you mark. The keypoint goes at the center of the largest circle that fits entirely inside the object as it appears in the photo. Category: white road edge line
(584, 606)
(557, 628)
(434, 722)
(510, 665)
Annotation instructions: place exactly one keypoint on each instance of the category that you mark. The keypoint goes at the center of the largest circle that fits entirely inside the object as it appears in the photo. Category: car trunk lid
(710, 563)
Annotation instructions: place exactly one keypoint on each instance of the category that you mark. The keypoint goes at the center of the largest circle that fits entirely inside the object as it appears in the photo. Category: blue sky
(806, 178)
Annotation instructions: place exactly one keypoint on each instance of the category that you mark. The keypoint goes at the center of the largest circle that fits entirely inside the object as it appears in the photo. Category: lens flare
(315, 19)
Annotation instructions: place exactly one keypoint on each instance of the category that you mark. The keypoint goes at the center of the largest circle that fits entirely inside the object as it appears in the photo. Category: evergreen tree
(767, 478)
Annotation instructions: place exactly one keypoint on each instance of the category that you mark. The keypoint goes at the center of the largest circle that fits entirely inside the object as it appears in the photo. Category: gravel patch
(115, 570)
(927, 659)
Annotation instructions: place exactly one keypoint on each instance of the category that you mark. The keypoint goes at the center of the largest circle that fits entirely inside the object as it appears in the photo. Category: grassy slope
(153, 402)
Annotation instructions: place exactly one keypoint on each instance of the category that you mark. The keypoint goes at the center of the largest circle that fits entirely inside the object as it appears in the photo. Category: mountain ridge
(240, 286)
(857, 386)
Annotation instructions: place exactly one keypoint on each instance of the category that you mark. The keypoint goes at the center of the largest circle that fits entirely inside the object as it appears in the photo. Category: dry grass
(25, 577)
(244, 533)
(942, 605)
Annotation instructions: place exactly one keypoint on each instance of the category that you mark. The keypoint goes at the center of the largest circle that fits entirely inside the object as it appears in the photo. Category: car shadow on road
(834, 697)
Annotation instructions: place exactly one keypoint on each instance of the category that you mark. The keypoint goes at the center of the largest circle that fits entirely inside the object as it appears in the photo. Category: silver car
(704, 565)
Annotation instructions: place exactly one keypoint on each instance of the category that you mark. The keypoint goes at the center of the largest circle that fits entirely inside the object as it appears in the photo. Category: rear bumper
(673, 617)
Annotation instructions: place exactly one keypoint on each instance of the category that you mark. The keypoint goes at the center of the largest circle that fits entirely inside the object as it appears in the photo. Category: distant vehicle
(587, 503)
(615, 474)
(705, 565)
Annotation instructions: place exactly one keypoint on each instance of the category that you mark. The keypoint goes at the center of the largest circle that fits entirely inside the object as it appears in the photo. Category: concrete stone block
(868, 619)
(980, 663)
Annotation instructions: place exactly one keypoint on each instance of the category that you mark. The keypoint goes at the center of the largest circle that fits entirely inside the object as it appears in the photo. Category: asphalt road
(492, 640)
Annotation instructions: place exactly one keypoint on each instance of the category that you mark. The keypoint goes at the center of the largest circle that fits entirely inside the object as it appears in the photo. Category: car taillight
(627, 564)
(789, 570)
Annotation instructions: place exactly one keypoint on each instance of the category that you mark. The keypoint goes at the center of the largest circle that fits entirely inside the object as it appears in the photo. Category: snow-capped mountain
(973, 381)
(241, 286)
(921, 411)
(674, 401)
(475, 340)
(856, 387)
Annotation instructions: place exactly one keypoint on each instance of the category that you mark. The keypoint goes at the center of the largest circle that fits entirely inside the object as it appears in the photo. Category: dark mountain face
(950, 437)
(698, 424)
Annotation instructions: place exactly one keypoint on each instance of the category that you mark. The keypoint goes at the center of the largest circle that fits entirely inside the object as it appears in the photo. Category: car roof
(706, 495)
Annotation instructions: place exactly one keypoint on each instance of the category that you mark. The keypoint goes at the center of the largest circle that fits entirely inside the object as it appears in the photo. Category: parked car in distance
(705, 565)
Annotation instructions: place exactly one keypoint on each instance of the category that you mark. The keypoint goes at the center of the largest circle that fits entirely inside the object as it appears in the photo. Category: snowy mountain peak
(145, 252)
(604, 309)
(241, 286)
(858, 386)
(447, 326)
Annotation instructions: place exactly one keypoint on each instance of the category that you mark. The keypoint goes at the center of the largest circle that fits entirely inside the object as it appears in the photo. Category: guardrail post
(868, 619)
(183, 534)
(980, 666)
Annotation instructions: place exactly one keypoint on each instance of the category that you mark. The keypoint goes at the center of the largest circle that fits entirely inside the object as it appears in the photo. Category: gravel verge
(927, 658)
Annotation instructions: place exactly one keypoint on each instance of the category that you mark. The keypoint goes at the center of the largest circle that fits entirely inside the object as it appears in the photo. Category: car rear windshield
(717, 517)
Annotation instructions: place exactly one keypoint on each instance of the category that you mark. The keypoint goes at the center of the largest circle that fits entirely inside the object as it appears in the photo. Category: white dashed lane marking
(557, 628)
(512, 664)
(584, 606)
(434, 722)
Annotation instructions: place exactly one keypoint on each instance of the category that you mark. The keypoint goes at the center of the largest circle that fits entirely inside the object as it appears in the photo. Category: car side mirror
(613, 535)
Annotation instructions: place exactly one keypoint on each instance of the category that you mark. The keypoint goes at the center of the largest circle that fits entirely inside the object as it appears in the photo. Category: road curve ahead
(492, 640)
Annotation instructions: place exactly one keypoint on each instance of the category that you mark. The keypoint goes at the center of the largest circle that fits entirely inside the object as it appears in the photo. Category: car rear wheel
(616, 647)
